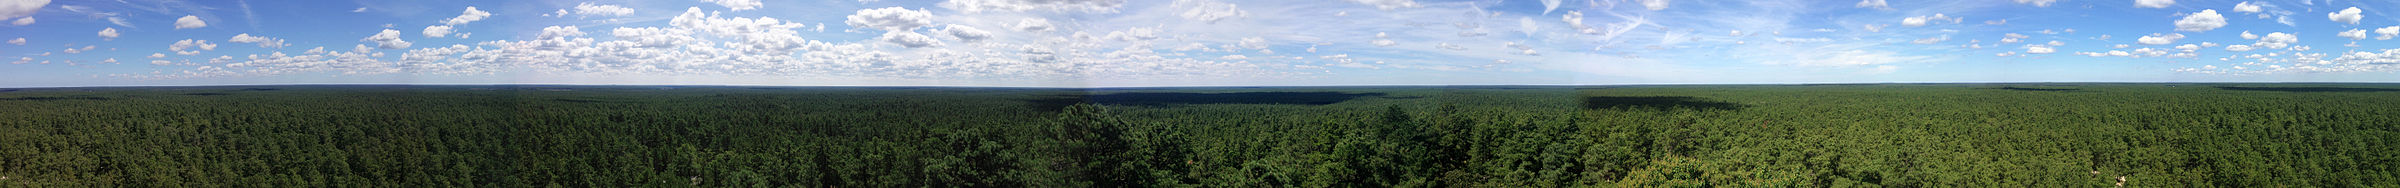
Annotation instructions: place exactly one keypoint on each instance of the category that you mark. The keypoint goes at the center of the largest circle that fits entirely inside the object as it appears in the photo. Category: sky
(1121, 43)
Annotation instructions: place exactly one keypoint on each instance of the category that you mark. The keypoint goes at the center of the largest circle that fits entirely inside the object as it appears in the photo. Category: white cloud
(2153, 3)
(1032, 25)
(890, 19)
(157, 55)
(692, 18)
(1931, 40)
(184, 47)
(20, 41)
(2353, 34)
(2037, 3)
(1388, 4)
(966, 33)
(21, 8)
(2350, 16)
(1525, 24)
(2245, 6)
(360, 9)
(559, 32)
(979, 6)
(910, 39)
(1234, 57)
(2039, 49)
(1875, 4)
(738, 5)
(108, 34)
(653, 37)
(2386, 33)
(2202, 21)
(588, 9)
(437, 31)
(2276, 40)
(1925, 20)
(1209, 10)
(1253, 43)
(1655, 4)
(262, 41)
(388, 39)
(2247, 36)
(22, 21)
(2159, 39)
(471, 15)
(189, 22)
(1448, 46)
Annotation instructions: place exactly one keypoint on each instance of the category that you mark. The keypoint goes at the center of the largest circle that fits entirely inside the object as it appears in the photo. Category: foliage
(1947, 135)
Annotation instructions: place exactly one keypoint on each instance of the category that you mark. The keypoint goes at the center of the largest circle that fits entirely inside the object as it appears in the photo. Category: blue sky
(1114, 43)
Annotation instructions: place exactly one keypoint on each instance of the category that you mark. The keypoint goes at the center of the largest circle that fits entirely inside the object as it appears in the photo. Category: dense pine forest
(1864, 135)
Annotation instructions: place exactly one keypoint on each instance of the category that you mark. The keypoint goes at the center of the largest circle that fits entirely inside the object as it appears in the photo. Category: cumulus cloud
(1032, 25)
(2276, 40)
(22, 21)
(966, 33)
(1925, 20)
(893, 19)
(2153, 3)
(1209, 10)
(559, 32)
(979, 6)
(437, 31)
(20, 41)
(2349, 16)
(388, 39)
(2160, 39)
(2386, 33)
(184, 47)
(2247, 36)
(1388, 4)
(157, 55)
(189, 22)
(108, 34)
(2353, 34)
(262, 41)
(2039, 49)
(589, 9)
(471, 15)
(910, 39)
(1875, 4)
(2246, 6)
(2037, 3)
(1253, 43)
(21, 8)
(2201, 21)
(738, 5)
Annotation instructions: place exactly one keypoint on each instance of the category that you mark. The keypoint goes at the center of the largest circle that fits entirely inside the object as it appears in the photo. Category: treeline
(1848, 136)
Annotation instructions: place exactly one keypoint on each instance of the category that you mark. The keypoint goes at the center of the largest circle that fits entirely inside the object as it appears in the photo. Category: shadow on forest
(52, 98)
(260, 89)
(2308, 89)
(1657, 103)
(207, 94)
(1176, 99)
(2036, 89)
